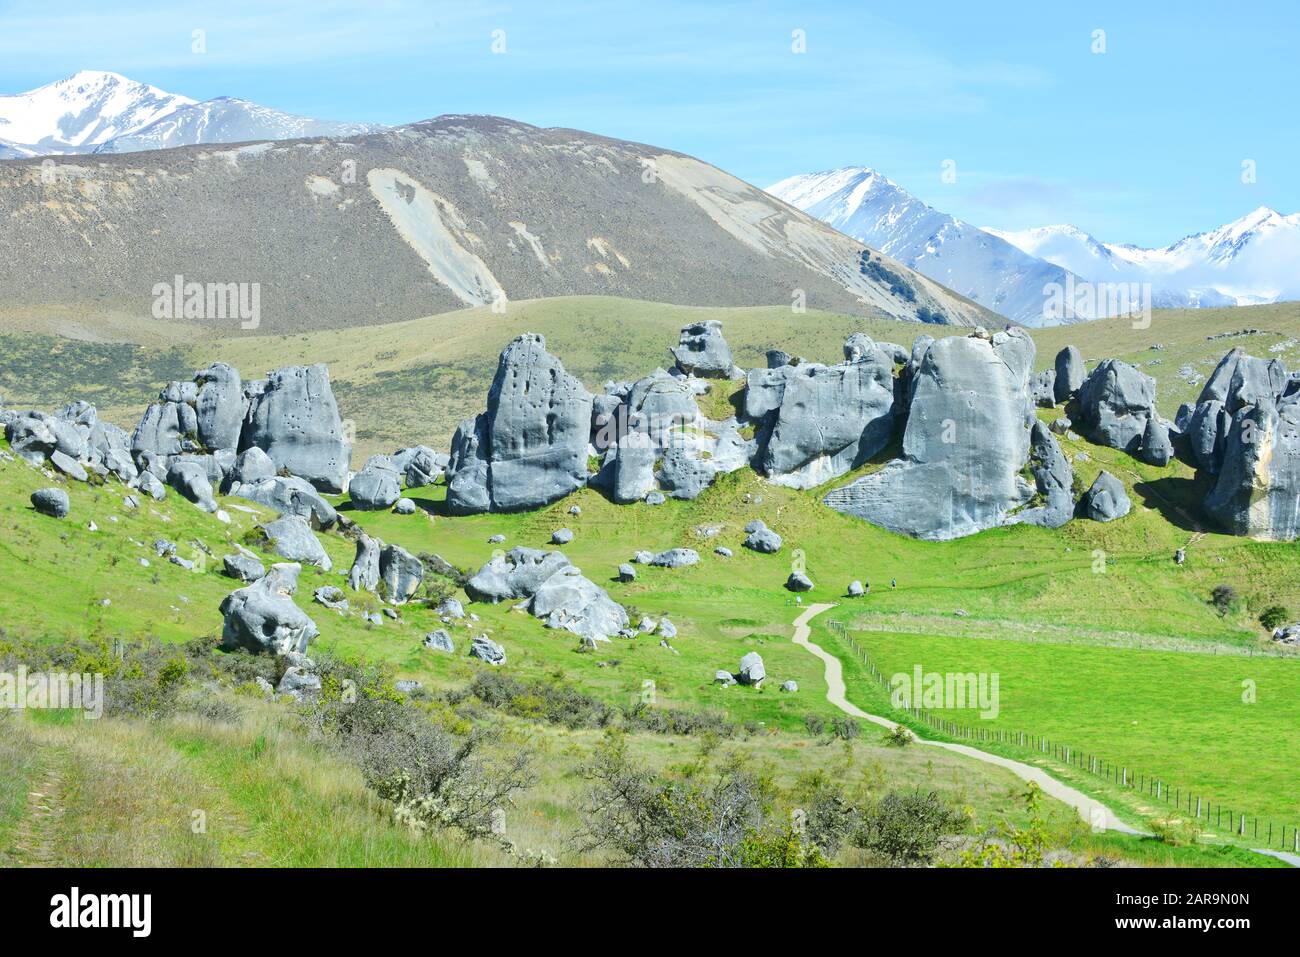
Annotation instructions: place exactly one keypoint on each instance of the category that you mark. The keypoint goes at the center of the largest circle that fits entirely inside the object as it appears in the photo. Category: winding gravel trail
(1091, 810)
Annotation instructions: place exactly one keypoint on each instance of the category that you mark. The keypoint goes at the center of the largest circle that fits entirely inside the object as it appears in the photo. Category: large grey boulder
(290, 495)
(52, 502)
(364, 574)
(291, 537)
(242, 567)
(966, 440)
(1106, 500)
(401, 572)
(570, 601)
(530, 447)
(751, 670)
(485, 649)
(190, 478)
(676, 558)
(262, 617)
(762, 539)
(1115, 403)
(1053, 481)
(219, 407)
(827, 419)
(294, 418)
(516, 574)
(1207, 432)
(1157, 448)
(1070, 373)
(799, 581)
(252, 466)
(632, 468)
(658, 406)
(702, 351)
(1257, 492)
(684, 473)
(377, 486)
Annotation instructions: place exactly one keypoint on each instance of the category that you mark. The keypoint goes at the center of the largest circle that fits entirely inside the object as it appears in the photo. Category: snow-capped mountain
(80, 113)
(94, 112)
(874, 210)
(1251, 260)
(227, 120)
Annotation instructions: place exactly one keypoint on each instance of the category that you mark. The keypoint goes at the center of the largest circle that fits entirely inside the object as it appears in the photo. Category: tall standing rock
(293, 418)
(1258, 488)
(966, 440)
(1070, 373)
(219, 407)
(1053, 481)
(530, 447)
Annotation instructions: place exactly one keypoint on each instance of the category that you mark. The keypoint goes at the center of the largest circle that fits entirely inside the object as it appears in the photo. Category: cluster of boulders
(752, 672)
(1244, 431)
(552, 589)
(277, 441)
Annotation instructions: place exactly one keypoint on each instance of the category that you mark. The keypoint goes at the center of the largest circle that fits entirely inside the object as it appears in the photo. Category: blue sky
(1142, 143)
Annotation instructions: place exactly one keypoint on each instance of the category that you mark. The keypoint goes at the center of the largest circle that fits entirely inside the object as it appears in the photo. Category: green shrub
(1274, 616)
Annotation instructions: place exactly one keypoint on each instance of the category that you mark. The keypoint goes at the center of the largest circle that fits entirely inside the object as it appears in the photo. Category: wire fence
(1202, 808)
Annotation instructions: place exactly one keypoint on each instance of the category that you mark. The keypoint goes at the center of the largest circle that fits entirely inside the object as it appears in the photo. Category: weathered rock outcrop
(290, 495)
(530, 447)
(1070, 373)
(966, 440)
(291, 537)
(401, 572)
(1244, 430)
(702, 351)
(1106, 500)
(294, 419)
(262, 617)
(821, 421)
(557, 592)
(1115, 404)
(1053, 503)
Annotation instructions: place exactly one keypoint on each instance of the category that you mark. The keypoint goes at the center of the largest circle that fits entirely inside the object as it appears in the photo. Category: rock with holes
(262, 617)
(294, 418)
(702, 351)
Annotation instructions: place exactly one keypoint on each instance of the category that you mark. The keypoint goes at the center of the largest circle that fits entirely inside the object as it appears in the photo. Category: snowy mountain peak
(81, 112)
(875, 210)
(99, 111)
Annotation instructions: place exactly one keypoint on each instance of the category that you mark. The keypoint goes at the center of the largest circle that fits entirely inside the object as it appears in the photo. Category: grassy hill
(1132, 662)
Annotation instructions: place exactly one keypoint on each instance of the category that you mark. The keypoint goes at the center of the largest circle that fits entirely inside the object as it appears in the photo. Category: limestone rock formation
(702, 351)
(530, 447)
(294, 418)
(966, 440)
(262, 617)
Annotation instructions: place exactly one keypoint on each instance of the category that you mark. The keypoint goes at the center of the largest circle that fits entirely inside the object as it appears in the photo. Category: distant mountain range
(877, 211)
(1251, 260)
(97, 112)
